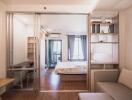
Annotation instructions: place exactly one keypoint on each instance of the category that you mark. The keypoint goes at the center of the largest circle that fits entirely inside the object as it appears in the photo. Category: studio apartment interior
(65, 49)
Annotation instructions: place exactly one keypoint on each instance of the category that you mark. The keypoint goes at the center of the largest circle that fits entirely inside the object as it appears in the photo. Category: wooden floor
(51, 81)
(53, 89)
(26, 95)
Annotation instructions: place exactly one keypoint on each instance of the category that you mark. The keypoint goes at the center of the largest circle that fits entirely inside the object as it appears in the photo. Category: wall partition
(22, 50)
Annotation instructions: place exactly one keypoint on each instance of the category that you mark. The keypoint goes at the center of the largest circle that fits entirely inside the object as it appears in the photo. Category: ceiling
(51, 2)
(113, 4)
(98, 4)
(68, 24)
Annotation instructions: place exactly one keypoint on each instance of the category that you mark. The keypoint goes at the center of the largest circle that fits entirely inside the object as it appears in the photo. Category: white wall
(126, 38)
(2, 40)
(19, 42)
(23, 28)
(65, 24)
(42, 52)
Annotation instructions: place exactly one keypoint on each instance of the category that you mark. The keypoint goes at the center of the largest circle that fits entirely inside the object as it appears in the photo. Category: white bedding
(71, 68)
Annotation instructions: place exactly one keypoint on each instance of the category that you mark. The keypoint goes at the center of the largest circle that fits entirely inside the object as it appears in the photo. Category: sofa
(117, 85)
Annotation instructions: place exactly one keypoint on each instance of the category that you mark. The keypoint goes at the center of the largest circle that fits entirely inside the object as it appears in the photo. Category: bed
(74, 71)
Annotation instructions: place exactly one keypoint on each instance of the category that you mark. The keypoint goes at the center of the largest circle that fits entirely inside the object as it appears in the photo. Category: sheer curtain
(71, 40)
(84, 46)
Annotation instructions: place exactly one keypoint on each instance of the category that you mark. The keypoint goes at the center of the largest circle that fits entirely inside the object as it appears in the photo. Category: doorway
(59, 29)
(22, 51)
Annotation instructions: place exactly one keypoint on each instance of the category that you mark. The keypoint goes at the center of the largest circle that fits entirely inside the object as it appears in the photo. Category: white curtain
(71, 40)
(84, 46)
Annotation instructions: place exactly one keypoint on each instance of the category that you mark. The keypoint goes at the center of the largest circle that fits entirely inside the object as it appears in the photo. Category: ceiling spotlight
(45, 7)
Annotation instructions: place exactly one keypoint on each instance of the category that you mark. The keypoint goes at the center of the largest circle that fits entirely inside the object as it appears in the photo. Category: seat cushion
(94, 96)
(116, 90)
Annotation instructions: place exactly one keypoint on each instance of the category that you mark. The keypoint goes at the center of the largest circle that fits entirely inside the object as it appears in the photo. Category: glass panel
(23, 45)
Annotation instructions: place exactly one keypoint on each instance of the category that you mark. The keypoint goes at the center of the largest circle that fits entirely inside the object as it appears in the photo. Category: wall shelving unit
(103, 45)
(104, 42)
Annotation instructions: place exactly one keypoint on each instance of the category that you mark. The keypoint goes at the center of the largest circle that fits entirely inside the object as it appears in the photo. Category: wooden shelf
(30, 52)
(106, 42)
(104, 63)
(96, 23)
(104, 33)
(30, 42)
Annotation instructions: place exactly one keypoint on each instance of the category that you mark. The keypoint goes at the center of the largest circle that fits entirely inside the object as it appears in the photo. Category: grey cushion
(125, 78)
(116, 90)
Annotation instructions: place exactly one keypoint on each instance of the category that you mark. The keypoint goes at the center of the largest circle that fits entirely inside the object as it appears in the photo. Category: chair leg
(21, 80)
(27, 81)
(0, 98)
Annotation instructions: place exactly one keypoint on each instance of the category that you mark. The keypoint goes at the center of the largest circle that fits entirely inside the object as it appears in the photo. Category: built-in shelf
(104, 42)
(100, 27)
(30, 47)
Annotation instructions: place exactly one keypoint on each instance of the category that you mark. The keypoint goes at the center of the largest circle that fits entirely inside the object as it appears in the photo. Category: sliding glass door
(29, 34)
(23, 50)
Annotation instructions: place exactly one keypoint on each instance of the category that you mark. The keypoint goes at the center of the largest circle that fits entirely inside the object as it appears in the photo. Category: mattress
(71, 68)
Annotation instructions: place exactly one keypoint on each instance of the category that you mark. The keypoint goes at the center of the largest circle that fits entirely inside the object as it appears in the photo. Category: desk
(22, 71)
(5, 82)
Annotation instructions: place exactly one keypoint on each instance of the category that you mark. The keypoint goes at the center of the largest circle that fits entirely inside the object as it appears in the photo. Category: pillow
(125, 78)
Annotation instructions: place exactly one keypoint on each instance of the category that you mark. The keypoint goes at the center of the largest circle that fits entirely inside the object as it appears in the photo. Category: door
(55, 52)
(23, 50)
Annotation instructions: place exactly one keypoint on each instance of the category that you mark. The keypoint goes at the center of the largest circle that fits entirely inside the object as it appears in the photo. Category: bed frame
(72, 77)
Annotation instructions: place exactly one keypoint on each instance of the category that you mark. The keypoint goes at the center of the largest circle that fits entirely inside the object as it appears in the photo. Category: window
(77, 48)
(54, 52)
